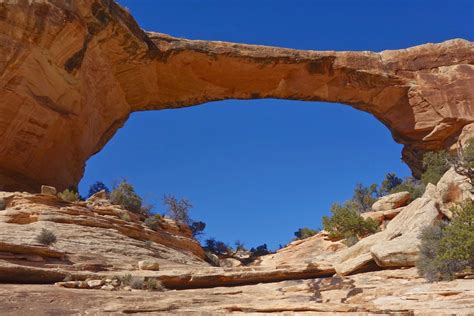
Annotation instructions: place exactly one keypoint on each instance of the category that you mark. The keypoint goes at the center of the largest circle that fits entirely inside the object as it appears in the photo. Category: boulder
(95, 284)
(148, 265)
(48, 190)
(391, 201)
(396, 246)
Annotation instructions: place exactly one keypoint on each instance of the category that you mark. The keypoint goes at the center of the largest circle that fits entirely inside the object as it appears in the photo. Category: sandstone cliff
(72, 72)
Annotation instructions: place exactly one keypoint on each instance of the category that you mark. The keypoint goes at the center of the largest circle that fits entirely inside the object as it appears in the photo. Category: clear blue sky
(258, 170)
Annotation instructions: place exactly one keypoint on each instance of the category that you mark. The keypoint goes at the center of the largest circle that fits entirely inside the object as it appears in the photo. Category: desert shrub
(197, 228)
(125, 196)
(435, 163)
(239, 246)
(3, 204)
(346, 222)
(125, 217)
(364, 197)
(69, 195)
(153, 222)
(259, 251)
(97, 187)
(390, 182)
(446, 249)
(148, 244)
(178, 209)
(415, 187)
(216, 247)
(125, 280)
(468, 153)
(137, 283)
(153, 285)
(46, 237)
(305, 232)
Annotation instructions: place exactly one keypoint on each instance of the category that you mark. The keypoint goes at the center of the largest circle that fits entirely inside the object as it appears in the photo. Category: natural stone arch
(72, 72)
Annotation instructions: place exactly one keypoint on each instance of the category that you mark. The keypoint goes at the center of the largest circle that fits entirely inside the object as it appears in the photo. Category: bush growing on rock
(346, 222)
(97, 187)
(125, 196)
(197, 228)
(446, 249)
(259, 251)
(69, 195)
(305, 232)
(153, 222)
(216, 247)
(364, 197)
(178, 209)
(46, 237)
(435, 164)
(390, 182)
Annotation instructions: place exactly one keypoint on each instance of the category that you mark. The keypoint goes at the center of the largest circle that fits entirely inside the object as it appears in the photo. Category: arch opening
(256, 171)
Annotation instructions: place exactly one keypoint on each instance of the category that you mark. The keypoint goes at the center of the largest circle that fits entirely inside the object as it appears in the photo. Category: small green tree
(69, 195)
(46, 237)
(346, 222)
(197, 228)
(125, 196)
(446, 249)
(305, 232)
(97, 187)
(364, 197)
(436, 163)
(390, 182)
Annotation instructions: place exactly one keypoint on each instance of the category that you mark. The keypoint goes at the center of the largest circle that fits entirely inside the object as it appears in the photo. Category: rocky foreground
(99, 245)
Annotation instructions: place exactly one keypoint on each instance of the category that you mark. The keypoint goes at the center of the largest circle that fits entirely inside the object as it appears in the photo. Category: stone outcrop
(397, 245)
(93, 236)
(72, 72)
(391, 201)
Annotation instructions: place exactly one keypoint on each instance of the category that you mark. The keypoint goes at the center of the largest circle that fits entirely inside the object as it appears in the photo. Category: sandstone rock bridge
(71, 72)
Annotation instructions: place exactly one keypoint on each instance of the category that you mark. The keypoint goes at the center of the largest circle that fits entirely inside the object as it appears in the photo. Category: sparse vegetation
(464, 162)
(415, 187)
(178, 209)
(389, 184)
(153, 222)
(346, 223)
(216, 247)
(305, 232)
(364, 197)
(197, 228)
(154, 285)
(69, 195)
(125, 217)
(125, 196)
(97, 187)
(46, 237)
(259, 251)
(435, 164)
(447, 249)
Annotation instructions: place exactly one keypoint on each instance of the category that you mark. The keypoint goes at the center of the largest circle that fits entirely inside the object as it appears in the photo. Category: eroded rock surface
(389, 292)
(72, 72)
(93, 236)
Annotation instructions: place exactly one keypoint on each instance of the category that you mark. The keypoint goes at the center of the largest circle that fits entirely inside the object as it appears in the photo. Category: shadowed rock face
(71, 72)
